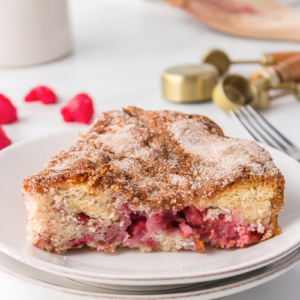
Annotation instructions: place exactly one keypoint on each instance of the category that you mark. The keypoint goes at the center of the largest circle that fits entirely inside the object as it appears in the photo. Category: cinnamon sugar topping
(163, 158)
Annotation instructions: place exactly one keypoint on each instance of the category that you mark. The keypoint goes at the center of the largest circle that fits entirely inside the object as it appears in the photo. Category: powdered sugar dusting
(178, 179)
(162, 158)
(221, 158)
(121, 141)
(125, 164)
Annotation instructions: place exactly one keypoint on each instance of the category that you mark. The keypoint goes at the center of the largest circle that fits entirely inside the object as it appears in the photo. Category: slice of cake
(157, 181)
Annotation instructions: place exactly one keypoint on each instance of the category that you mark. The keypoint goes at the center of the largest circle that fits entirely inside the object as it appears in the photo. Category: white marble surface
(120, 49)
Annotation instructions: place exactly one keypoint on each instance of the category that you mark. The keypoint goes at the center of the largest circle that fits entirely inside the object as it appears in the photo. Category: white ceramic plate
(57, 285)
(125, 266)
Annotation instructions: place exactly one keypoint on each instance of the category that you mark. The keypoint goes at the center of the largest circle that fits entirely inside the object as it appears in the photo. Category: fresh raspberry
(4, 140)
(42, 93)
(78, 109)
(8, 112)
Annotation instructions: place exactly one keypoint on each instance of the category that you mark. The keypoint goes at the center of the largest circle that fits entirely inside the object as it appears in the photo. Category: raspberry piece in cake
(157, 181)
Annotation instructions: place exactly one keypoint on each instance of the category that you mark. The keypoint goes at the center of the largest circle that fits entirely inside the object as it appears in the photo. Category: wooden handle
(277, 57)
(289, 69)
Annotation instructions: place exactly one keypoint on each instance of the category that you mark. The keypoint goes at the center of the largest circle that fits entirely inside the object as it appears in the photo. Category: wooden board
(265, 19)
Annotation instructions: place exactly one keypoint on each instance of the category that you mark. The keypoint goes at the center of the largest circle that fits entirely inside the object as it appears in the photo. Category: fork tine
(262, 130)
(252, 129)
(260, 118)
(236, 115)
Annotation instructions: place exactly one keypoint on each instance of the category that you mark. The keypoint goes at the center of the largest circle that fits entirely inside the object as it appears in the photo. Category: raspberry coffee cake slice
(157, 181)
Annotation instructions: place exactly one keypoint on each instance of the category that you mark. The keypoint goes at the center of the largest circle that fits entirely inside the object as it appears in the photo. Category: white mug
(33, 31)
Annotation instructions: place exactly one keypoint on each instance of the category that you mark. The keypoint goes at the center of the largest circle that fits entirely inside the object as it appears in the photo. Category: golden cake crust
(158, 159)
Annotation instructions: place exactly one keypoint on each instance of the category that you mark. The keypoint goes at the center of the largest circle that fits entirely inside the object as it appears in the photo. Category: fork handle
(289, 69)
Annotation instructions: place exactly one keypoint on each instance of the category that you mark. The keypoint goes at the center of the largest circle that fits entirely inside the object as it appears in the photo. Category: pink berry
(78, 109)
(8, 113)
(42, 93)
(4, 140)
(185, 230)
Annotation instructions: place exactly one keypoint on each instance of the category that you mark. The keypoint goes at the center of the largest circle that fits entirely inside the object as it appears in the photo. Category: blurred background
(116, 51)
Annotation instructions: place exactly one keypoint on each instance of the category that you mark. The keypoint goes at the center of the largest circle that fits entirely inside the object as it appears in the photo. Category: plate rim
(64, 271)
(216, 292)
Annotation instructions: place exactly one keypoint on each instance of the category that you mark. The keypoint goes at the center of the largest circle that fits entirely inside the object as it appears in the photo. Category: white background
(120, 49)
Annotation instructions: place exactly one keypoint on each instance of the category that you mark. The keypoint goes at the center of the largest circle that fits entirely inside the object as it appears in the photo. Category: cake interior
(71, 217)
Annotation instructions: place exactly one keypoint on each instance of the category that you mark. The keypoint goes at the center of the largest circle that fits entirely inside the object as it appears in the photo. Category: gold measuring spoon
(222, 62)
(189, 83)
(234, 91)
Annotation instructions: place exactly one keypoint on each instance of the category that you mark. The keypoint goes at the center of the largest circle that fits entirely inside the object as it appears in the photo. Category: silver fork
(264, 132)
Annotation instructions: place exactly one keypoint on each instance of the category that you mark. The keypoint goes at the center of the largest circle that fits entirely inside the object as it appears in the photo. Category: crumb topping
(157, 158)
